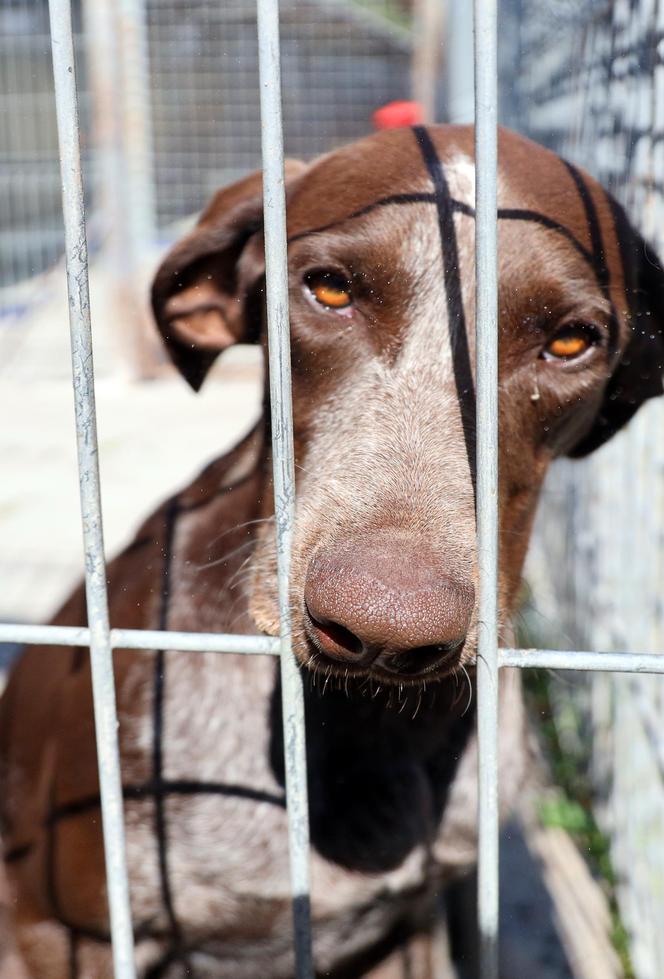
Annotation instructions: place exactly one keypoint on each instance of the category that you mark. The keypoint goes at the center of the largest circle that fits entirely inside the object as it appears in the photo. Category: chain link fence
(340, 63)
(31, 235)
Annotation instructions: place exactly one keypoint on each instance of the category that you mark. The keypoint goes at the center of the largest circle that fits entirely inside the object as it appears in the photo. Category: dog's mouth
(335, 650)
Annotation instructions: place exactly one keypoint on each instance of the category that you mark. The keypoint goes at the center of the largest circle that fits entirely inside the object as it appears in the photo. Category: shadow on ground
(530, 945)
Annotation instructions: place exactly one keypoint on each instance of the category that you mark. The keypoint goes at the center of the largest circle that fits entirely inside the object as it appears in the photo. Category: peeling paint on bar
(106, 722)
(486, 113)
(276, 267)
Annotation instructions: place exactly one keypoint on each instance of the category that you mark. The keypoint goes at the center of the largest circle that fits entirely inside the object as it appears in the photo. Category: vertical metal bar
(428, 16)
(86, 437)
(459, 81)
(274, 195)
(111, 200)
(132, 29)
(117, 56)
(487, 474)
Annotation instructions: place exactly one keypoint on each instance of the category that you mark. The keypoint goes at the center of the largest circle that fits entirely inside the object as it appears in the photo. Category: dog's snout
(385, 602)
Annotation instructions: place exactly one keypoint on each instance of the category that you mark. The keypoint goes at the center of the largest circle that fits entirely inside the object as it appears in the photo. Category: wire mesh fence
(188, 73)
(590, 84)
(339, 63)
(31, 235)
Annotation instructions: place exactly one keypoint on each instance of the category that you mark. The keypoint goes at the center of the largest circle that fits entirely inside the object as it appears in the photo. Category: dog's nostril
(385, 600)
(334, 637)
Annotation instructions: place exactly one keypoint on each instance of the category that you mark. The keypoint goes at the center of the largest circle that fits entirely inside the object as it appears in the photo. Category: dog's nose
(387, 601)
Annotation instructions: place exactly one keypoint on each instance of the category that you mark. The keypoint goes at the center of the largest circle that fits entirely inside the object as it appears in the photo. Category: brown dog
(384, 567)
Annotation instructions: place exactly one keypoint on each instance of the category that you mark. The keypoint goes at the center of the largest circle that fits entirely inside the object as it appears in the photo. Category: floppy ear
(201, 292)
(638, 375)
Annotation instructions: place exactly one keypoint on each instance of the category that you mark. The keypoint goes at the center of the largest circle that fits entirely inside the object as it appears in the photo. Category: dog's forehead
(399, 165)
(379, 168)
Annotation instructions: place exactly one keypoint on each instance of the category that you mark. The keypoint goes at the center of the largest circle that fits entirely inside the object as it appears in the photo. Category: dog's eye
(329, 289)
(571, 342)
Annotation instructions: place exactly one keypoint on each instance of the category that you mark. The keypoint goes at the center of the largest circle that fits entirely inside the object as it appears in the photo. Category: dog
(384, 568)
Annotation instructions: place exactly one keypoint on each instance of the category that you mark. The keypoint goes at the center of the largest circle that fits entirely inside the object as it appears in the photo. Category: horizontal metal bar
(195, 642)
(210, 642)
(554, 659)
(44, 635)
(201, 642)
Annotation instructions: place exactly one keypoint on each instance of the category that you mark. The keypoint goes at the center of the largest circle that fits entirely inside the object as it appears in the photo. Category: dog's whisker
(470, 690)
(215, 562)
(241, 577)
(420, 694)
(305, 470)
(240, 526)
(457, 691)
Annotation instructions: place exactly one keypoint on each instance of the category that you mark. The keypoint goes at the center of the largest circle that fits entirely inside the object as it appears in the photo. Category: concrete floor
(153, 437)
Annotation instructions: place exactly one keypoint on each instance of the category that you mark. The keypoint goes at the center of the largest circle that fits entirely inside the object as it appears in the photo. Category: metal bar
(197, 642)
(486, 339)
(276, 268)
(210, 642)
(459, 78)
(428, 18)
(137, 140)
(103, 61)
(106, 722)
(46, 635)
(553, 659)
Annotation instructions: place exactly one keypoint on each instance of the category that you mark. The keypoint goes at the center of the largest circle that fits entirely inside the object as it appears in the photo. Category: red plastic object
(396, 114)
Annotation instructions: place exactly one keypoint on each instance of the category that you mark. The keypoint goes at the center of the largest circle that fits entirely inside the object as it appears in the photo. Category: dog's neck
(371, 748)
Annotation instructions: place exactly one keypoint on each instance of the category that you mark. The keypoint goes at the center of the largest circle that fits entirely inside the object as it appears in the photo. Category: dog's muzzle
(382, 604)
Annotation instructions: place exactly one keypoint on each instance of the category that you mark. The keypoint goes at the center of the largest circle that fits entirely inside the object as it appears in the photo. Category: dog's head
(381, 260)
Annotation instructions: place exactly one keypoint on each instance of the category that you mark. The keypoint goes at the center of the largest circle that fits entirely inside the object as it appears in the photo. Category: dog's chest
(220, 860)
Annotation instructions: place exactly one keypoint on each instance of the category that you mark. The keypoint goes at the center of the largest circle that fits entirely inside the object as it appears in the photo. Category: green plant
(570, 806)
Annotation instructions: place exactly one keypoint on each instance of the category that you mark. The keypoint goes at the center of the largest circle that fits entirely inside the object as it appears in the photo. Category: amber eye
(329, 289)
(571, 342)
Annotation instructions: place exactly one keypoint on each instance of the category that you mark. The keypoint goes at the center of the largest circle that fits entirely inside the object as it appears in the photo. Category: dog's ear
(639, 373)
(201, 290)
